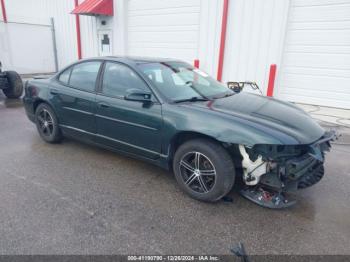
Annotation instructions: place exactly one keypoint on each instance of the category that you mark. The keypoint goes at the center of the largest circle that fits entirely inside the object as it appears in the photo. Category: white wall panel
(316, 58)
(88, 36)
(27, 31)
(5, 47)
(120, 27)
(312, 50)
(26, 48)
(66, 35)
(209, 35)
(255, 36)
(65, 30)
(163, 28)
(1, 15)
(27, 11)
(39, 12)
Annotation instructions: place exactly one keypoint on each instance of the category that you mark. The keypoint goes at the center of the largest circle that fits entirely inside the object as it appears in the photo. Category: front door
(129, 126)
(74, 97)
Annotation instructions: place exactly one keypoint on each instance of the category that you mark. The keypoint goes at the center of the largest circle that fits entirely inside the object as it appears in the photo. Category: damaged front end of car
(271, 172)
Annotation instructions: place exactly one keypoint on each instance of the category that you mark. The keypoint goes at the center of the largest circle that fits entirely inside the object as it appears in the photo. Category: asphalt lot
(72, 198)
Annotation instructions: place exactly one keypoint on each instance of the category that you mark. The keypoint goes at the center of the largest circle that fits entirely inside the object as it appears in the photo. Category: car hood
(267, 114)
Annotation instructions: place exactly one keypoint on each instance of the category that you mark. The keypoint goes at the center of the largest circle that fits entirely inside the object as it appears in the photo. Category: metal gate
(27, 47)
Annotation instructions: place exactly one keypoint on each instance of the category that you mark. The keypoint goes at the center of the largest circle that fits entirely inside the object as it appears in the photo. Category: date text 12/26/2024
(173, 258)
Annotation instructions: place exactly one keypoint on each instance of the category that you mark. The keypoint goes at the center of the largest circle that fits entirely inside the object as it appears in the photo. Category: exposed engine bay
(270, 172)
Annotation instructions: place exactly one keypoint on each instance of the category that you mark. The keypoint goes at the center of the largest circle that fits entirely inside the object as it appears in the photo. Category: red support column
(272, 77)
(3, 11)
(222, 40)
(196, 63)
(77, 25)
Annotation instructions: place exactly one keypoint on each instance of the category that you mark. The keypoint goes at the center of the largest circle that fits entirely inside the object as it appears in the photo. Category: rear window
(84, 75)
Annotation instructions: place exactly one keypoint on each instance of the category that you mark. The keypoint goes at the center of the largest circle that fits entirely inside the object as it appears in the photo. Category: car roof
(135, 59)
(139, 59)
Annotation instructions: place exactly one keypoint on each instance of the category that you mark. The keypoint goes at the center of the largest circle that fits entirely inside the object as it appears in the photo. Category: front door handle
(53, 91)
(103, 105)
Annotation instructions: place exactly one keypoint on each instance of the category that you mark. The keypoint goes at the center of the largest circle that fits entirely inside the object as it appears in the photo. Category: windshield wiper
(192, 99)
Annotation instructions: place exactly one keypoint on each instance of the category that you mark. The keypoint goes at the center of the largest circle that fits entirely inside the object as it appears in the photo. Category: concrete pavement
(328, 115)
(72, 198)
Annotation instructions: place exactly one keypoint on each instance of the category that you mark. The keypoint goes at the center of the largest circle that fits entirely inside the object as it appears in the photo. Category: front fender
(224, 129)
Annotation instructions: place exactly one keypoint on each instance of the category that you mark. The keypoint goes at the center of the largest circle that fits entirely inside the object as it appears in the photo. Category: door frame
(98, 92)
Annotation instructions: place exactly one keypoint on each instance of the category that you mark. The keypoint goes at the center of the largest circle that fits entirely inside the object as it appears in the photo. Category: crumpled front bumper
(289, 169)
(301, 171)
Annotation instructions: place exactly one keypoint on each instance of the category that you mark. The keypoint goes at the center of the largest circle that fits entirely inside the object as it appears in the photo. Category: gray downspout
(54, 43)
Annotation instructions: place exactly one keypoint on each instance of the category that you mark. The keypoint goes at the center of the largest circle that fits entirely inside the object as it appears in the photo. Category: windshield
(180, 81)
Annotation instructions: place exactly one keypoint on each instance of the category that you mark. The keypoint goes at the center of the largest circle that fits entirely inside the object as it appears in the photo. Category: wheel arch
(39, 101)
(182, 137)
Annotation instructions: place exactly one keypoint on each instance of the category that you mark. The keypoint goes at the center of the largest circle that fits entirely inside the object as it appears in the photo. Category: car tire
(15, 85)
(47, 124)
(204, 169)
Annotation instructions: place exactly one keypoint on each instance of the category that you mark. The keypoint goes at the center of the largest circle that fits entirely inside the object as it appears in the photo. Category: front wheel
(204, 169)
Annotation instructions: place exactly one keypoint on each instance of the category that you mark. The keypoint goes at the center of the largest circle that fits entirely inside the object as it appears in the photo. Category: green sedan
(178, 117)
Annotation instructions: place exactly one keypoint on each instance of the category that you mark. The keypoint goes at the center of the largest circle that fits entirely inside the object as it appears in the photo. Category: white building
(308, 40)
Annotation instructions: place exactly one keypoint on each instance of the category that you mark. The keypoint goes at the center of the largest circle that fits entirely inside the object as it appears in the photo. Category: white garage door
(163, 28)
(316, 60)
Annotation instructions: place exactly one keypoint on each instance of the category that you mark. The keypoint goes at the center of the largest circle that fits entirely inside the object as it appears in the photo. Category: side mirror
(138, 95)
(235, 86)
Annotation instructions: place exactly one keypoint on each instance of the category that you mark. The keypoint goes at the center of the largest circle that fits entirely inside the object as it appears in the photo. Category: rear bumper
(28, 106)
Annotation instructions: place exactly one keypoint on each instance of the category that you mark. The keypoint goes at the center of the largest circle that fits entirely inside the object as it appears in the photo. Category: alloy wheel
(45, 122)
(197, 172)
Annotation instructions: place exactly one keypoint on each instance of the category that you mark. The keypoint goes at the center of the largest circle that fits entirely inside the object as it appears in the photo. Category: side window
(117, 79)
(64, 76)
(84, 75)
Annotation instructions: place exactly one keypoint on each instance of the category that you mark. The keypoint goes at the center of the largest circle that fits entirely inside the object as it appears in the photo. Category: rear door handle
(103, 105)
(53, 91)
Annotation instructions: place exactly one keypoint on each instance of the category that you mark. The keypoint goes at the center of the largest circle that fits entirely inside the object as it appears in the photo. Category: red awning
(94, 7)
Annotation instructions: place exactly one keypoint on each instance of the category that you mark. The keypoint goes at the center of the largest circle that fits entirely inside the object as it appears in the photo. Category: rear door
(129, 126)
(74, 98)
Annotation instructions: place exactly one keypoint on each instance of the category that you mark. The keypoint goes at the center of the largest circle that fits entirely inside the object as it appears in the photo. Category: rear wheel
(204, 169)
(47, 124)
(15, 85)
